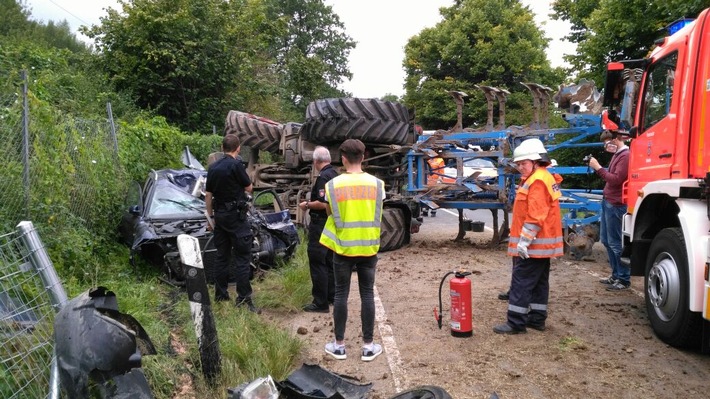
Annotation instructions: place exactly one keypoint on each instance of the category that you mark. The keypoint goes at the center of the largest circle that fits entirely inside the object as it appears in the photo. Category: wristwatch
(307, 207)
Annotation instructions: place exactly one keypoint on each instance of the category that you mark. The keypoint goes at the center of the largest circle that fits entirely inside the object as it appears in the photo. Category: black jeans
(343, 268)
(320, 261)
(224, 242)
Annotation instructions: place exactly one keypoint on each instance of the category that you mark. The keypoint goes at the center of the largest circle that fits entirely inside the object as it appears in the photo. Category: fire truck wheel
(254, 131)
(373, 121)
(393, 233)
(423, 392)
(666, 286)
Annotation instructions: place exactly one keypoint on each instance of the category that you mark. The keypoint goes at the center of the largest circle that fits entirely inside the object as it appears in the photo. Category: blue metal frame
(460, 146)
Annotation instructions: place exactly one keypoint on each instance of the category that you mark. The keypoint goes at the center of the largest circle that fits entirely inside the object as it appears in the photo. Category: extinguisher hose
(441, 312)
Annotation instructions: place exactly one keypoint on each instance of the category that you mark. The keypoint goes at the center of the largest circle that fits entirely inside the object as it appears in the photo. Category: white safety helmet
(530, 149)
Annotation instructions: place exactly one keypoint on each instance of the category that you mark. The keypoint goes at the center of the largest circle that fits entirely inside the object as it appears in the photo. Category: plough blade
(541, 98)
(492, 94)
(458, 98)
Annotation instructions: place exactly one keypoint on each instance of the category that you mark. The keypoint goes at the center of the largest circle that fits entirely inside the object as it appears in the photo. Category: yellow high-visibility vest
(353, 228)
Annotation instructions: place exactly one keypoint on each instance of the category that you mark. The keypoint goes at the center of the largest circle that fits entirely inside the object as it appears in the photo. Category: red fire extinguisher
(461, 312)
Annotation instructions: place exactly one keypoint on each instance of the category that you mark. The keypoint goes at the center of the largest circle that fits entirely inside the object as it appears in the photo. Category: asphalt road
(448, 217)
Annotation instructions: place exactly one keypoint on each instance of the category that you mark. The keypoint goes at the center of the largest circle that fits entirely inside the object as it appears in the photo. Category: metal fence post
(42, 264)
(39, 259)
(25, 143)
(109, 111)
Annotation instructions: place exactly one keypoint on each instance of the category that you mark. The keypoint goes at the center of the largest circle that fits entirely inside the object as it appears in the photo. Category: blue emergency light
(677, 25)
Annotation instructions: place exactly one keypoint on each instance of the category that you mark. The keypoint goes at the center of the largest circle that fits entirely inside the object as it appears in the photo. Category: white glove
(526, 237)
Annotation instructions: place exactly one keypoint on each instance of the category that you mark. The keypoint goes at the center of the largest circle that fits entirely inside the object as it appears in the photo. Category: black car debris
(171, 202)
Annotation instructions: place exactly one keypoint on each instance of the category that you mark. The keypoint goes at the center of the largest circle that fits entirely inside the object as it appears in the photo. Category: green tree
(14, 17)
(484, 42)
(609, 30)
(191, 60)
(312, 54)
(15, 23)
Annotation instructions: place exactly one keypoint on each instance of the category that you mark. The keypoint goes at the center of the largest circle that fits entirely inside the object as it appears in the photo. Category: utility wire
(70, 13)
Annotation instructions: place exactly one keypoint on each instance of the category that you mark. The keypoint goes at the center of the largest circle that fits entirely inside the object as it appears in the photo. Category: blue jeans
(343, 269)
(611, 217)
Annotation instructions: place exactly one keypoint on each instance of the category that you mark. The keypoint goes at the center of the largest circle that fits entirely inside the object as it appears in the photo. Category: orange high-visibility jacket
(537, 207)
(436, 166)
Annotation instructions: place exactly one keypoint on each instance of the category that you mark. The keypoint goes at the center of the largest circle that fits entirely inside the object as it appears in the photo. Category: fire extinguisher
(461, 312)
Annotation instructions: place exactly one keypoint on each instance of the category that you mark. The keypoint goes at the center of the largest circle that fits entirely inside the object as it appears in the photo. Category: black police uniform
(226, 180)
(320, 258)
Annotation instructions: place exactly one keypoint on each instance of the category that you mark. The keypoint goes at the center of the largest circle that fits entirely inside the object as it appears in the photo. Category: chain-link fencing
(61, 172)
(30, 295)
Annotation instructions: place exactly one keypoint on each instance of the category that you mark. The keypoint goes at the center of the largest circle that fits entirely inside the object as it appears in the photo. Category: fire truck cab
(664, 102)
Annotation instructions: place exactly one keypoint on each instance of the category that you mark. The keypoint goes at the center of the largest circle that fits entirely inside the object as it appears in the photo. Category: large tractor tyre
(666, 283)
(254, 131)
(393, 231)
(334, 120)
(423, 392)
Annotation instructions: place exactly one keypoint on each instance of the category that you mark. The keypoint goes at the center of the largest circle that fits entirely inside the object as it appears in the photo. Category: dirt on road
(598, 344)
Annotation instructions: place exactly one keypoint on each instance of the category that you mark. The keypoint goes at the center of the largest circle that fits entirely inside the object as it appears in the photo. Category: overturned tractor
(385, 127)
(401, 158)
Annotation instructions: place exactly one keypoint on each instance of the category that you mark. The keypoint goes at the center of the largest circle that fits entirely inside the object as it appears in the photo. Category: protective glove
(526, 237)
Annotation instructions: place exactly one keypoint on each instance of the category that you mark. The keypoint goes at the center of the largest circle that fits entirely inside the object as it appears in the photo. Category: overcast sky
(381, 29)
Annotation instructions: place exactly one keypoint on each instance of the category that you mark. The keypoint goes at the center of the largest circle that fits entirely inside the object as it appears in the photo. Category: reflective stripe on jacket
(353, 228)
(537, 207)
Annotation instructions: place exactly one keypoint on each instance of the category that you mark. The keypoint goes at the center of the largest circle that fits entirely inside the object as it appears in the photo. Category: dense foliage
(478, 42)
(610, 30)
(191, 61)
(312, 55)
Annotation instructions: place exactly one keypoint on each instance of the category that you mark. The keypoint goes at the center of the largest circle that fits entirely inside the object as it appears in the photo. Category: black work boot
(507, 329)
(249, 305)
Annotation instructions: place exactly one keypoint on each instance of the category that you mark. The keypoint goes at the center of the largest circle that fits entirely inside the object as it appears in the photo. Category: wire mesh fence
(30, 294)
(54, 163)
(59, 171)
(13, 184)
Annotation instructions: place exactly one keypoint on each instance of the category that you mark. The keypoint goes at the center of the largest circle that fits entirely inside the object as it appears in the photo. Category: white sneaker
(370, 352)
(335, 350)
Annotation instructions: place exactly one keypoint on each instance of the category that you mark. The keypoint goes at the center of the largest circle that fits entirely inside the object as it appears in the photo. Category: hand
(523, 249)
(526, 238)
(302, 205)
(594, 164)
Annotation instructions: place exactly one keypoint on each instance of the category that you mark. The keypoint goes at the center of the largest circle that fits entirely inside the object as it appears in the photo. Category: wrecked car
(171, 202)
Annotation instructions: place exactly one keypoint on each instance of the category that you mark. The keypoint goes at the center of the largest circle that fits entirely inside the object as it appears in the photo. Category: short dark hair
(230, 142)
(353, 150)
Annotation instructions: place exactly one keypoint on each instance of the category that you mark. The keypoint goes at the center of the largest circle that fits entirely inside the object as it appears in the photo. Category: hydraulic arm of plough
(435, 188)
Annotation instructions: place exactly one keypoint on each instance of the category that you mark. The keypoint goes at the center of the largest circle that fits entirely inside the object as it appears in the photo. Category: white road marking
(389, 344)
(486, 228)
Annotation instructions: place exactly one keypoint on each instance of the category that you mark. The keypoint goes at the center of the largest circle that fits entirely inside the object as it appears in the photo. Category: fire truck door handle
(666, 155)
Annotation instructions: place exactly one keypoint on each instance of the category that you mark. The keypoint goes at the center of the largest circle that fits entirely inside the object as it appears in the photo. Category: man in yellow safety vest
(352, 231)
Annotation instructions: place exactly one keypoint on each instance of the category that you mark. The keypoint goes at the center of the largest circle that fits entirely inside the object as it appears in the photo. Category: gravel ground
(597, 344)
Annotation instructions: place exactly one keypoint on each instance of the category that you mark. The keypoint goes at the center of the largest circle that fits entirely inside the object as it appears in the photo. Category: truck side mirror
(135, 210)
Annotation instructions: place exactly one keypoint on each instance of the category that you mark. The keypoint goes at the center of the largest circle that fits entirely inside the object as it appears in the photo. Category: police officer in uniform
(226, 198)
(320, 258)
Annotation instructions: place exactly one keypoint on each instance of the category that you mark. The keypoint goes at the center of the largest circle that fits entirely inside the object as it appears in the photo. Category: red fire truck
(664, 101)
